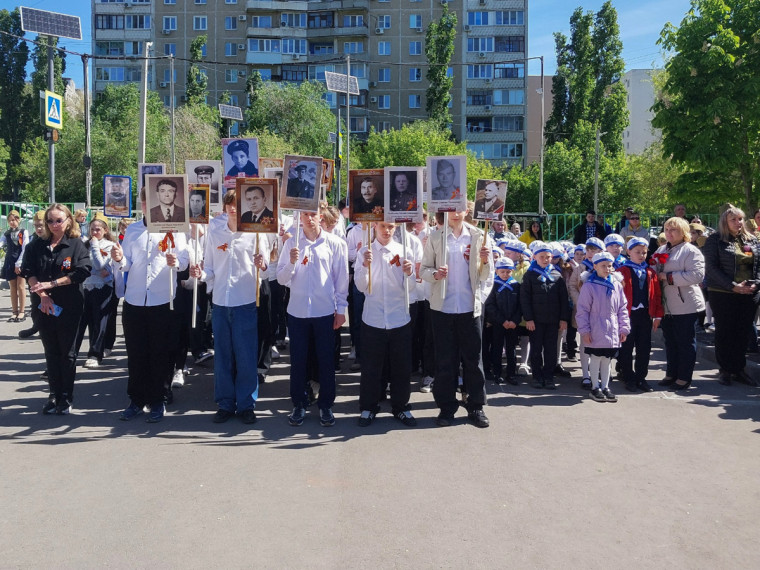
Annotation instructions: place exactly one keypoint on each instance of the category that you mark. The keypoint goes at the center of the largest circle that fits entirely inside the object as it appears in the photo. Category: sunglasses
(56, 222)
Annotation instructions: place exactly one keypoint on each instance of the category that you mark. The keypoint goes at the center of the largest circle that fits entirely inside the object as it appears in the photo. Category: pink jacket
(606, 318)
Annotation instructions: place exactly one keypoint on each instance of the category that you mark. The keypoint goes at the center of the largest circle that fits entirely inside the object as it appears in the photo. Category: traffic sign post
(53, 111)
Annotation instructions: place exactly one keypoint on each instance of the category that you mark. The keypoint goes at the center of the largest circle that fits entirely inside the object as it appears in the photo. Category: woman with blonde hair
(56, 265)
(14, 241)
(680, 268)
(732, 261)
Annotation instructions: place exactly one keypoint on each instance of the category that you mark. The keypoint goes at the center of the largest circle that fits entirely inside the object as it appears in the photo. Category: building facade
(641, 97)
(300, 40)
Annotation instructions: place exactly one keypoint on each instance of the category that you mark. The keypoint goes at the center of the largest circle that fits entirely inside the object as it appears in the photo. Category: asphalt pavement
(655, 480)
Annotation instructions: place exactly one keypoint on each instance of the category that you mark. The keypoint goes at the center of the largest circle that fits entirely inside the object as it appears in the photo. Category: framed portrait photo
(167, 204)
(241, 159)
(257, 205)
(447, 183)
(145, 168)
(328, 169)
(301, 183)
(403, 194)
(198, 203)
(265, 163)
(207, 172)
(367, 201)
(117, 196)
(490, 197)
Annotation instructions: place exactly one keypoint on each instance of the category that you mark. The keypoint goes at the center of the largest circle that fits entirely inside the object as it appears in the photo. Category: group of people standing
(452, 307)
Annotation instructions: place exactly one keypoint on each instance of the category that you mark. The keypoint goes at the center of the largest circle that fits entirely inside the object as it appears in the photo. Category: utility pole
(51, 143)
(143, 104)
(171, 108)
(348, 122)
(87, 160)
(543, 143)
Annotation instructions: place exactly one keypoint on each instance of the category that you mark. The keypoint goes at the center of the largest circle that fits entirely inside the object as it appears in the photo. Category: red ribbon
(222, 247)
(164, 243)
(395, 261)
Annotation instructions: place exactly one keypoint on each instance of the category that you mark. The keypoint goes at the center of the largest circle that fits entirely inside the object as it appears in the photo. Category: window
(266, 74)
(353, 21)
(133, 48)
(230, 49)
(384, 22)
(356, 100)
(296, 73)
(383, 48)
(230, 23)
(510, 18)
(320, 20)
(477, 97)
(479, 71)
(384, 102)
(294, 46)
(353, 47)
(141, 22)
(262, 45)
(479, 44)
(330, 98)
(359, 124)
(261, 21)
(168, 75)
(290, 20)
(170, 1)
(170, 49)
(168, 101)
(415, 21)
(478, 124)
(317, 72)
(109, 48)
(234, 128)
(415, 48)
(509, 70)
(383, 126)
(109, 73)
(203, 50)
(230, 75)
(415, 74)
(509, 123)
(234, 99)
(415, 101)
(384, 75)
(510, 43)
(200, 1)
(321, 48)
(200, 23)
(108, 22)
(510, 150)
(509, 97)
(477, 18)
(170, 23)
(230, 1)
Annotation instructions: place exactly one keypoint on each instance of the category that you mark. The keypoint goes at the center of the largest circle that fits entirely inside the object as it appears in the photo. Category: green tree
(439, 49)
(708, 109)
(197, 82)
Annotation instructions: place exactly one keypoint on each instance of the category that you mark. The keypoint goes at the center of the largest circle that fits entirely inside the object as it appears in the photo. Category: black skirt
(606, 352)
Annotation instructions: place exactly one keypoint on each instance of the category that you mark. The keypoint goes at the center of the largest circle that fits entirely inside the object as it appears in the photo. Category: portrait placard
(207, 172)
(366, 203)
(166, 196)
(403, 194)
(328, 167)
(275, 173)
(490, 197)
(301, 179)
(265, 163)
(198, 203)
(447, 183)
(257, 205)
(145, 168)
(117, 196)
(241, 159)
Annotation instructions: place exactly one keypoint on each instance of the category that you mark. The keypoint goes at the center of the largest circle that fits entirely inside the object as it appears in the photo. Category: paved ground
(654, 481)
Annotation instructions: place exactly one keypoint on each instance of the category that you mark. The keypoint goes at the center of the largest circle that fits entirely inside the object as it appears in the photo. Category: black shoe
(666, 381)
(498, 380)
(597, 395)
(549, 384)
(724, 378)
(365, 419)
(44, 375)
(478, 417)
(559, 370)
(248, 417)
(609, 395)
(222, 416)
(444, 420)
(680, 385)
(538, 384)
(745, 378)
(49, 407)
(326, 417)
(406, 418)
(262, 378)
(63, 408)
(296, 417)
(586, 384)
(512, 380)
(631, 386)
(644, 386)
(26, 333)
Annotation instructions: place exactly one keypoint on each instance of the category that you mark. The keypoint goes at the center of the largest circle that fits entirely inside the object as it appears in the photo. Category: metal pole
(51, 144)
(87, 141)
(171, 110)
(541, 159)
(596, 173)
(348, 122)
(143, 105)
(337, 159)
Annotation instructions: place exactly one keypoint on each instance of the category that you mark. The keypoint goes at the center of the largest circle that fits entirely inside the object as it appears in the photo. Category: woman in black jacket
(732, 264)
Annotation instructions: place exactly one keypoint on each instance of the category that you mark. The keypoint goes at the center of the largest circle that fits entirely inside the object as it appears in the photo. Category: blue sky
(640, 24)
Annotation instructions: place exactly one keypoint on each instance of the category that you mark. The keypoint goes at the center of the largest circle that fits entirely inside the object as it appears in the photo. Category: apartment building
(641, 90)
(299, 40)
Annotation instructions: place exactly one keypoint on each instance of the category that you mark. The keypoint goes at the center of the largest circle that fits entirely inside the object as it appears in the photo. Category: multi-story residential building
(299, 40)
(641, 97)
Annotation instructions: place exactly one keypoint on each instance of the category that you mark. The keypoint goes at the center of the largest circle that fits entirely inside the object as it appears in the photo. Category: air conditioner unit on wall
(482, 2)
(242, 18)
(419, 29)
(241, 46)
(466, 27)
(166, 32)
(373, 83)
(379, 31)
(162, 84)
(487, 107)
(373, 99)
(481, 54)
(296, 56)
(488, 80)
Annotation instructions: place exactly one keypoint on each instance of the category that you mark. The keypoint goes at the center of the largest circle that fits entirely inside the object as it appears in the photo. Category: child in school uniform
(642, 291)
(503, 312)
(602, 318)
(615, 244)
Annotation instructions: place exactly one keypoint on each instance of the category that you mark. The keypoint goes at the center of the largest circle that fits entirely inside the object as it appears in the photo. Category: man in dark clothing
(588, 229)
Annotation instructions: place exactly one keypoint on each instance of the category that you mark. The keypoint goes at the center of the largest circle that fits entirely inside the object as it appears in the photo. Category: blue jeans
(236, 381)
(321, 329)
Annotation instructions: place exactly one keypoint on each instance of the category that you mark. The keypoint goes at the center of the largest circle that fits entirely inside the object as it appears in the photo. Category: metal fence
(562, 226)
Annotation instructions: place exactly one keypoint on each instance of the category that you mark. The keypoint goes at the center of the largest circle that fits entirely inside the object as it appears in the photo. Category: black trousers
(110, 337)
(150, 335)
(570, 339)
(503, 339)
(486, 349)
(97, 305)
(733, 315)
(198, 342)
(280, 296)
(59, 338)
(543, 350)
(680, 334)
(457, 336)
(182, 314)
(417, 312)
(386, 351)
(640, 339)
(428, 345)
(265, 330)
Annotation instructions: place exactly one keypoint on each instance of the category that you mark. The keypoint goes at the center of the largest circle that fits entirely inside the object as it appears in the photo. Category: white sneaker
(275, 353)
(523, 370)
(91, 363)
(427, 384)
(352, 354)
(178, 380)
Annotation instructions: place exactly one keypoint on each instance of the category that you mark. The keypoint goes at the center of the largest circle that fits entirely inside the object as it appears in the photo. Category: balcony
(280, 32)
(341, 32)
(339, 5)
(267, 58)
(269, 6)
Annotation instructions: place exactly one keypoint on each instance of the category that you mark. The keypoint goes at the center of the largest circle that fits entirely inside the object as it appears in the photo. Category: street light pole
(541, 161)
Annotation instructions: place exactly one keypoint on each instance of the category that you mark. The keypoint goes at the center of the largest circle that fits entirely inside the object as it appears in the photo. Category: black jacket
(579, 235)
(720, 261)
(503, 306)
(544, 302)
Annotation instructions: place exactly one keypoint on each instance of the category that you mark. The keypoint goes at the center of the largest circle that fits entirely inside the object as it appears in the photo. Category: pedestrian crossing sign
(53, 110)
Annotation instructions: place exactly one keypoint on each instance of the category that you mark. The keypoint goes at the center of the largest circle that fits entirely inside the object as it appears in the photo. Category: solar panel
(50, 23)
(230, 112)
(337, 82)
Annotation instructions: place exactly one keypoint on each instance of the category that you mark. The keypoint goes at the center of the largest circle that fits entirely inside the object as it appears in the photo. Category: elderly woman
(732, 261)
(56, 265)
(680, 268)
(14, 241)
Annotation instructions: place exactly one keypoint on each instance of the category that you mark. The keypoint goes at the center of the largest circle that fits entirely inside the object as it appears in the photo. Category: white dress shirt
(459, 294)
(356, 235)
(319, 279)
(414, 254)
(228, 268)
(150, 278)
(385, 307)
